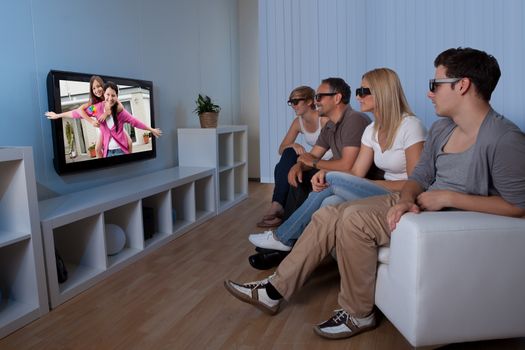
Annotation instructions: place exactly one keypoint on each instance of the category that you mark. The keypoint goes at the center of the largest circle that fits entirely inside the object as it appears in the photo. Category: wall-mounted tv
(94, 126)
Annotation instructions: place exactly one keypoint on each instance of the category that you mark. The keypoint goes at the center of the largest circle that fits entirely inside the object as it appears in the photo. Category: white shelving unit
(224, 148)
(73, 225)
(23, 294)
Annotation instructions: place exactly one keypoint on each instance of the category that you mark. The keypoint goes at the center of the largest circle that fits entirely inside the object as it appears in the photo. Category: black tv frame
(54, 101)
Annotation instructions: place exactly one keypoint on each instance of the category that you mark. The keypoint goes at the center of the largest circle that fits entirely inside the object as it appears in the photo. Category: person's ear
(464, 85)
(338, 97)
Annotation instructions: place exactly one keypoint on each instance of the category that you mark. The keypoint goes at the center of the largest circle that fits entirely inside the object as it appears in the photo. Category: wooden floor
(174, 299)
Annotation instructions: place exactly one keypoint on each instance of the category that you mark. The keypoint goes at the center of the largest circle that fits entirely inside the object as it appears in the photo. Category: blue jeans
(342, 187)
(115, 152)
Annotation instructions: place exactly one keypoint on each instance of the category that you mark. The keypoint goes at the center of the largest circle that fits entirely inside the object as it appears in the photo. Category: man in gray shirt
(471, 138)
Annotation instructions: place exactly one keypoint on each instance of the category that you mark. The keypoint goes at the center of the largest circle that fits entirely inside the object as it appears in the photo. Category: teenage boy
(474, 159)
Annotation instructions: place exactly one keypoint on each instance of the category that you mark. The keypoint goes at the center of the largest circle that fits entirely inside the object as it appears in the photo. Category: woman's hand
(156, 132)
(318, 181)
(299, 149)
(51, 115)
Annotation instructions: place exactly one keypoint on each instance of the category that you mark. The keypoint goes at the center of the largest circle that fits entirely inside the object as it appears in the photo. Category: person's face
(366, 102)
(110, 96)
(97, 88)
(299, 104)
(325, 103)
(444, 97)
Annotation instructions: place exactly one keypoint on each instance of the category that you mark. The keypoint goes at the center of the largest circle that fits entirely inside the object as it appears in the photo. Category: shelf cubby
(81, 246)
(23, 292)
(14, 211)
(18, 284)
(128, 217)
(204, 197)
(162, 216)
(183, 205)
(224, 148)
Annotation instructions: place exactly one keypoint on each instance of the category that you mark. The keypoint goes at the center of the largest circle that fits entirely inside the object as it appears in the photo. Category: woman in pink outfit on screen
(111, 120)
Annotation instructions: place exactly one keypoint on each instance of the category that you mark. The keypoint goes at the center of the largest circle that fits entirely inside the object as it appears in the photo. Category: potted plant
(146, 137)
(92, 152)
(208, 111)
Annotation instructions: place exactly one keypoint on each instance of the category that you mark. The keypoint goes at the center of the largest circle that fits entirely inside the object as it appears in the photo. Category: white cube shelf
(225, 149)
(23, 294)
(74, 224)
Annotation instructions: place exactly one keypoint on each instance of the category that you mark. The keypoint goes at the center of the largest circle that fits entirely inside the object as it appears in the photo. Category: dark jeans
(297, 195)
(280, 191)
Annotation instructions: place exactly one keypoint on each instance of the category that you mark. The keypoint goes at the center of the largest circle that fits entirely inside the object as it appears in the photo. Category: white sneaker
(254, 293)
(267, 240)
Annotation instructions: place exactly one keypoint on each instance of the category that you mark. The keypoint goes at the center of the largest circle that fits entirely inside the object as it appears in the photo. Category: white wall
(249, 79)
(183, 46)
(302, 42)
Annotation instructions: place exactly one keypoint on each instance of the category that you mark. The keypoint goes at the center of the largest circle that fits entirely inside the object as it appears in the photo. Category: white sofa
(453, 277)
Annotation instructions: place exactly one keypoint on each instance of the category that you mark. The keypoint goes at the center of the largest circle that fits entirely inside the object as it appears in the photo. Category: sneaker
(254, 293)
(267, 240)
(343, 325)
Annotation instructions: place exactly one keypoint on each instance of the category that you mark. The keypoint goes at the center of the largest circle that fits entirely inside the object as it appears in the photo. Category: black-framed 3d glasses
(319, 96)
(362, 92)
(295, 101)
(433, 83)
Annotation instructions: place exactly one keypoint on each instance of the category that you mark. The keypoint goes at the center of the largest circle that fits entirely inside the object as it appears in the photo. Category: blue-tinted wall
(183, 46)
(304, 41)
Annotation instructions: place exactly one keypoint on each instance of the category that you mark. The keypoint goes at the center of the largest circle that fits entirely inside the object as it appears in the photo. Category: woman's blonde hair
(305, 92)
(390, 102)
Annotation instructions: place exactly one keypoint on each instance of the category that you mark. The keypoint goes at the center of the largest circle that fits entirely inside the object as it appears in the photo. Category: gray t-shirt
(497, 166)
(452, 170)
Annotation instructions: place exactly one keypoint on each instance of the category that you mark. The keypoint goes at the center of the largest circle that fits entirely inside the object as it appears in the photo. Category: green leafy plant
(205, 104)
(91, 147)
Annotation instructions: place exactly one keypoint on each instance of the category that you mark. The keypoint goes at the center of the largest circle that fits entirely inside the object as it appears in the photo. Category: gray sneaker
(343, 325)
(254, 293)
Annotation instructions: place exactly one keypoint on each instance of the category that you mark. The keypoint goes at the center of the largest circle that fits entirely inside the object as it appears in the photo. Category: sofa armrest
(461, 275)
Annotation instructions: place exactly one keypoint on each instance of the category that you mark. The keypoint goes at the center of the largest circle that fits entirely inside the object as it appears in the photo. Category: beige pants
(355, 229)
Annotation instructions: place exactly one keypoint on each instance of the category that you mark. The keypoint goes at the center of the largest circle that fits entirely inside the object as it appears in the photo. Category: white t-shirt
(112, 143)
(393, 161)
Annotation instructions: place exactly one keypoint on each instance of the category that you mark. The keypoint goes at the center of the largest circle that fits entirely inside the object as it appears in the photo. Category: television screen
(99, 121)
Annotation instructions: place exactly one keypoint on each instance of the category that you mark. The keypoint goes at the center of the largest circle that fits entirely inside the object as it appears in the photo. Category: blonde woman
(393, 142)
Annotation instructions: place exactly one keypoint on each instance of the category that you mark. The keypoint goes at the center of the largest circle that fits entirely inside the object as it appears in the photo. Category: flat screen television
(79, 145)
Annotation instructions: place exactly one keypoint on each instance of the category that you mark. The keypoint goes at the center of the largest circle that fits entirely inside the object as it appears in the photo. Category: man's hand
(394, 214)
(295, 175)
(307, 159)
(318, 181)
(435, 200)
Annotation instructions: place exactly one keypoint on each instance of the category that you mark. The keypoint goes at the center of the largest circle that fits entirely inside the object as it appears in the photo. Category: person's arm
(345, 163)
(290, 137)
(412, 155)
(82, 111)
(407, 203)
(439, 199)
(128, 118)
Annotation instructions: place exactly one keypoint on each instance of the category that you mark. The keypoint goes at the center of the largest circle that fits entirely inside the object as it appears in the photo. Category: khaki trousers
(355, 229)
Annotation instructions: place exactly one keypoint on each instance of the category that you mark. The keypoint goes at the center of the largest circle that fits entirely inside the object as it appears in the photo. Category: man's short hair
(481, 68)
(340, 86)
